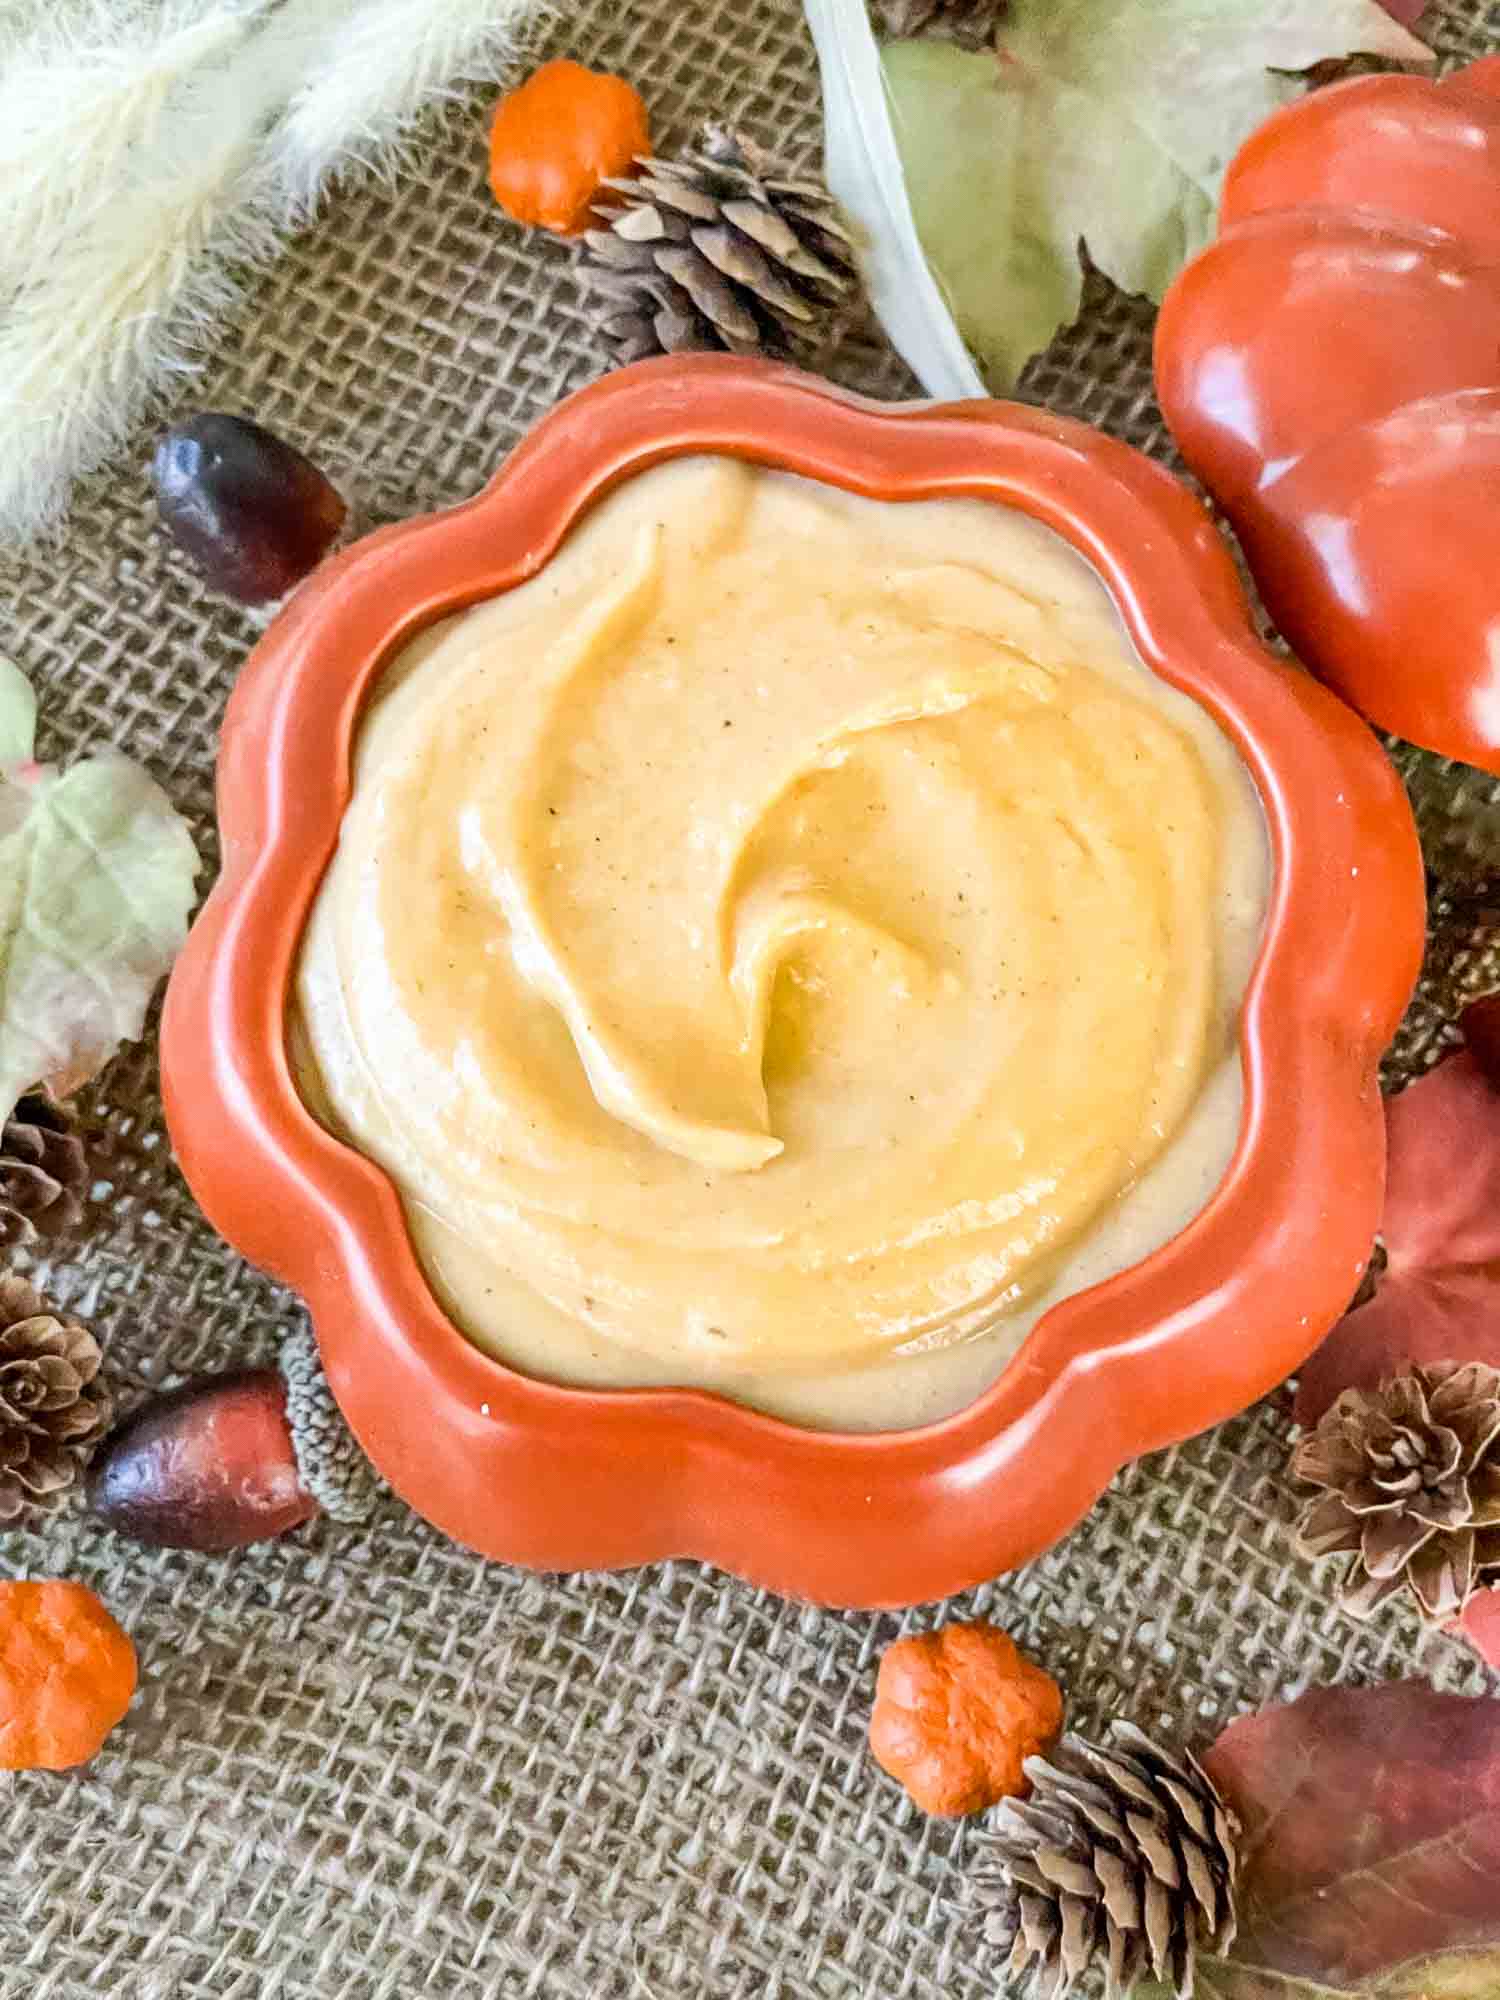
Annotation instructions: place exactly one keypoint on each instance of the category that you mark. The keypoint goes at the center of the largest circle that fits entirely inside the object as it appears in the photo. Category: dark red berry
(210, 1466)
(254, 514)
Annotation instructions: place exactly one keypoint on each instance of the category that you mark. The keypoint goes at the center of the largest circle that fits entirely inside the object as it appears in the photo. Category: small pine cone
(1410, 1479)
(718, 253)
(970, 23)
(53, 1408)
(1122, 1859)
(43, 1172)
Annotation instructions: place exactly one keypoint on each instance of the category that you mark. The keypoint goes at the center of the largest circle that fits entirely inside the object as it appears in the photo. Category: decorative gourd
(1331, 370)
(557, 139)
(67, 1674)
(957, 1713)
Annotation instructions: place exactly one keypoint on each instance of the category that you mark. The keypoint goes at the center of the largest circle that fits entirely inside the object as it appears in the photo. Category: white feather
(79, 97)
(863, 167)
(129, 294)
(152, 153)
(389, 60)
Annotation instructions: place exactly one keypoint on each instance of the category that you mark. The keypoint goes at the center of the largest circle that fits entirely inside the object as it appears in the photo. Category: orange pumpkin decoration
(559, 138)
(1330, 368)
(957, 1713)
(67, 1673)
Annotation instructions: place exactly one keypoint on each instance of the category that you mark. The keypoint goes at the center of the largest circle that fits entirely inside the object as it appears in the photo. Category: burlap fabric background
(362, 1763)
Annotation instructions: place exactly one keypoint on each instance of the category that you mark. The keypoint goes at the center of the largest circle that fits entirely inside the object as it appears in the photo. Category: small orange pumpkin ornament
(67, 1673)
(957, 1713)
(557, 139)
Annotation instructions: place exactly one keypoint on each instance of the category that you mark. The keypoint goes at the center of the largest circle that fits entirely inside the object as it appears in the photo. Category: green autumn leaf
(96, 883)
(1106, 122)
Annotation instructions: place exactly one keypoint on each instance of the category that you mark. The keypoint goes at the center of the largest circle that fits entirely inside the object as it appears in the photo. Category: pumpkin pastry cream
(783, 947)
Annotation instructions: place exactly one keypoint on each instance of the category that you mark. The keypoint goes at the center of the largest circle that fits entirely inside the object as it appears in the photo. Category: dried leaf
(1108, 122)
(96, 882)
(1480, 1625)
(865, 173)
(1438, 1299)
(1370, 1861)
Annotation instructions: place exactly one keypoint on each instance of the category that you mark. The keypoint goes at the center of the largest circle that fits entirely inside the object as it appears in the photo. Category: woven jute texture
(364, 1764)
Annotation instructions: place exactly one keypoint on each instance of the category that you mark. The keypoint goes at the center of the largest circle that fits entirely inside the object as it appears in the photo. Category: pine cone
(970, 23)
(1411, 1479)
(716, 252)
(43, 1170)
(1121, 1858)
(52, 1405)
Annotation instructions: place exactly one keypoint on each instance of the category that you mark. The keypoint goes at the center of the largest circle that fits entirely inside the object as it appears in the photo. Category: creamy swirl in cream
(784, 945)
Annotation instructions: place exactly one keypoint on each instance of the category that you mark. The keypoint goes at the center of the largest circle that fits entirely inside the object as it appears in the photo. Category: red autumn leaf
(1370, 1860)
(1407, 12)
(1439, 1297)
(1480, 1625)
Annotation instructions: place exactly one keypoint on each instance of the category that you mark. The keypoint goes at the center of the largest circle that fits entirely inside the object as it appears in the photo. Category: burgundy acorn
(208, 1466)
(253, 513)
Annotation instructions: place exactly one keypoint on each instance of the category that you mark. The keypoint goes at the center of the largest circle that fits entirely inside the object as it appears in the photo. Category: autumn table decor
(1401, 1403)
(96, 881)
(957, 1714)
(559, 138)
(1347, 1843)
(1122, 1860)
(43, 1172)
(1369, 1850)
(1432, 1293)
(1328, 368)
(1409, 1488)
(234, 1458)
(722, 250)
(534, 1469)
(155, 154)
(252, 513)
(53, 1406)
(978, 147)
(67, 1675)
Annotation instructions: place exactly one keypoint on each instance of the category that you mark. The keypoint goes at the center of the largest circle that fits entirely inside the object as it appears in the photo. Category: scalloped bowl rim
(558, 1477)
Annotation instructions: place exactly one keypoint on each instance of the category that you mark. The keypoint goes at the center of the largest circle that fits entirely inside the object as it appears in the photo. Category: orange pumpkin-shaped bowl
(564, 1478)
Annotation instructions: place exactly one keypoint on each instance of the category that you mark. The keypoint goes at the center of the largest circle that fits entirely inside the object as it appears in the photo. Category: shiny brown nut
(209, 1466)
(252, 513)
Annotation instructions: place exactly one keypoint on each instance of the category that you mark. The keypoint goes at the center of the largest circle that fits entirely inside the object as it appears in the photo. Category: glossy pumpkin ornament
(557, 139)
(956, 1715)
(1331, 370)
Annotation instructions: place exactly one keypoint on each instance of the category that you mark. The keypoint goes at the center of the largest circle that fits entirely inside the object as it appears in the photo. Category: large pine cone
(1410, 1479)
(719, 253)
(43, 1172)
(1122, 1859)
(52, 1405)
(970, 23)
